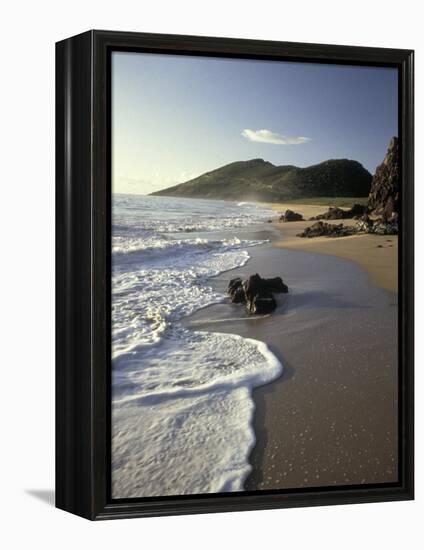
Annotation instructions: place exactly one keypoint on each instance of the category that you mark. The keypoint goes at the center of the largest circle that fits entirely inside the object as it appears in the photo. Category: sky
(176, 117)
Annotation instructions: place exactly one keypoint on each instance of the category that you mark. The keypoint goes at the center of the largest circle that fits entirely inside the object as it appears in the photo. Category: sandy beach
(331, 418)
(376, 254)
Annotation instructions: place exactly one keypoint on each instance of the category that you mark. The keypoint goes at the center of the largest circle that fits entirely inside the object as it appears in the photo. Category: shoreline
(374, 253)
(322, 422)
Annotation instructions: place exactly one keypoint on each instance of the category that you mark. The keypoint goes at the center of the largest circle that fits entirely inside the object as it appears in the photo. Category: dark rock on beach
(236, 291)
(238, 296)
(234, 284)
(290, 216)
(381, 227)
(275, 284)
(357, 211)
(378, 226)
(364, 224)
(255, 285)
(262, 303)
(336, 213)
(333, 213)
(322, 229)
(256, 292)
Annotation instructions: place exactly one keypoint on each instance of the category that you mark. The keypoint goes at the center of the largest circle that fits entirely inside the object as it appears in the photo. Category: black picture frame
(83, 274)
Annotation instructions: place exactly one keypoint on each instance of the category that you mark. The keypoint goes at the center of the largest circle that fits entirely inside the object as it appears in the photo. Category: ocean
(182, 403)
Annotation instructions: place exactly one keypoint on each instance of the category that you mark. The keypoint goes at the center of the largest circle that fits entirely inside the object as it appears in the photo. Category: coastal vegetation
(259, 180)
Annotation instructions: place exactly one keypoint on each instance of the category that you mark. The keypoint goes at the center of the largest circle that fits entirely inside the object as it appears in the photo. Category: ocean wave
(181, 399)
(147, 300)
(159, 243)
(164, 215)
(188, 431)
(191, 226)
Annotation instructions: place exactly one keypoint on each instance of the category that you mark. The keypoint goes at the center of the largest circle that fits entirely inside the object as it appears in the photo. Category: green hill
(260, 180)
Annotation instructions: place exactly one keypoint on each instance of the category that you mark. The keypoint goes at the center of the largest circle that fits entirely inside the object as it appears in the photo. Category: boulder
(377, 227)
(275, 284)
(336, 213)
(262, 303)
(234, 284)
(384, 228)
(236, 291)
(364, 224)
(238, 296)
(290, 216)
(333, 213)
(256, 292)
(357, 211)
(253, 286)
(322, 229)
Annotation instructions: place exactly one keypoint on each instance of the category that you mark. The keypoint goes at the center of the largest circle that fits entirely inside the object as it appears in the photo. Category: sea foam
(181, 399)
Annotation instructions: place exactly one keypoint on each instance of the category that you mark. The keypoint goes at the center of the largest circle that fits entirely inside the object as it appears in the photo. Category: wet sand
(331, 418)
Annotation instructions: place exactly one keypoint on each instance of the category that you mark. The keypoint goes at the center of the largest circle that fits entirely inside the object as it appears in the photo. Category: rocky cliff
(383, 199)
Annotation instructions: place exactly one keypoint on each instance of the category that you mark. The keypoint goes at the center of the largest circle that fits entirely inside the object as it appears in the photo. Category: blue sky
(176, 117)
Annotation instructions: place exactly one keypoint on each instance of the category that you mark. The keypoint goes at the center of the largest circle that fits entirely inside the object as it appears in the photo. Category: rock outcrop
(333, 213)
(357, 211)
(377, 227)
(383, 199)
(290, 216)
(364, 225)
(236, 291)
(256, 293)
(336, 213)
(379, 217)
(323, 229)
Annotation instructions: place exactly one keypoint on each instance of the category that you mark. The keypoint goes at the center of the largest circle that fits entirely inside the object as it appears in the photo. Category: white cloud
(266, 136)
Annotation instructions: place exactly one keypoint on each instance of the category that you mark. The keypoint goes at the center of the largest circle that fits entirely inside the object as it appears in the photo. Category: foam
(181, 399)
(186, 427)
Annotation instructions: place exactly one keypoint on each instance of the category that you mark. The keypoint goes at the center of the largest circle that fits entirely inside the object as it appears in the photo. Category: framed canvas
(234, 274)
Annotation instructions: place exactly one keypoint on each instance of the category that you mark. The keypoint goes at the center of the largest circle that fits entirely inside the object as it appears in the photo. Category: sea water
(181, 399)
